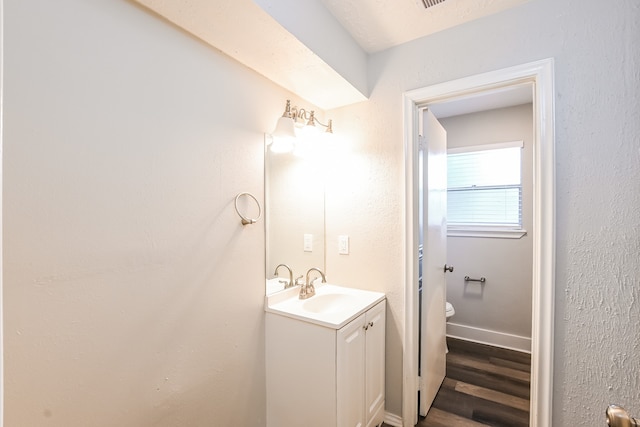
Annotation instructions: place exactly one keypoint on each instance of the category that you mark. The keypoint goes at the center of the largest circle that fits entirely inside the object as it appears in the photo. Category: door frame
(1, 210)
(541, 74)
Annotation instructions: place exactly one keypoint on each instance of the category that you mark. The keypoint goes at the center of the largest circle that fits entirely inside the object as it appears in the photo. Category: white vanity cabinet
(319, 376)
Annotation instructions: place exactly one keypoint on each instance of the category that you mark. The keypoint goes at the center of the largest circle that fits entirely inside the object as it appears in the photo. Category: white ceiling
(317, 49)
(381, 24)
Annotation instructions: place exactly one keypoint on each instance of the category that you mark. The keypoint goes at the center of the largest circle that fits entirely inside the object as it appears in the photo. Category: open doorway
(490, 216)
(539, 76)
(489, 293)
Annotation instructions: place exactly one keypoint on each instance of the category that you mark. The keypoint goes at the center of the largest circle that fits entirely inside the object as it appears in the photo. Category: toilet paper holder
(469, 279)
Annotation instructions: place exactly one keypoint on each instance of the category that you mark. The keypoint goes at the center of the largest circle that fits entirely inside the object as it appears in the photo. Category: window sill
(492, 233)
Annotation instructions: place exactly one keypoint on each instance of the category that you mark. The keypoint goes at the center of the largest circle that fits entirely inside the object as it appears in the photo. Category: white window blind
(485, 186)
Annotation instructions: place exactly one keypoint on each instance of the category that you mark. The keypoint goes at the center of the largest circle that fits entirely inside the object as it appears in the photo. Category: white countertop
(332, 306)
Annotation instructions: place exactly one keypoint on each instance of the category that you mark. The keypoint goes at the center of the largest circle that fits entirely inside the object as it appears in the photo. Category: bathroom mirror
(294, 215)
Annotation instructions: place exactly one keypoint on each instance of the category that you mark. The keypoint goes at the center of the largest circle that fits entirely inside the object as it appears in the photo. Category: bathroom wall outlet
(308, 242)
(343, 245)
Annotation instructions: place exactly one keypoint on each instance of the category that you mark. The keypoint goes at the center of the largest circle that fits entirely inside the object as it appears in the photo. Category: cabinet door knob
(448, 268)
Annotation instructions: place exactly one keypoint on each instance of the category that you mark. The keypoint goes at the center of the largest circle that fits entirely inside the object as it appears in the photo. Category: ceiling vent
(428, 3)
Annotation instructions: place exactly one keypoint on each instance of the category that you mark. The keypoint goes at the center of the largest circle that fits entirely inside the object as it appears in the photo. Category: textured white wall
(597, 75)
(133, 295)
(503, 303)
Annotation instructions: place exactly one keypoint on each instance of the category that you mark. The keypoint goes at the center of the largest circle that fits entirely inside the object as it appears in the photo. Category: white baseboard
(392, 419)
(485, 336)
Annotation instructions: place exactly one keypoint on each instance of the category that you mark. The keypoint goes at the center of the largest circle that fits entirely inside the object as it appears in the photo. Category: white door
(433, 154)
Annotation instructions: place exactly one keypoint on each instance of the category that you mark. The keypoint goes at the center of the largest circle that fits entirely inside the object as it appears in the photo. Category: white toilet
(449, 311)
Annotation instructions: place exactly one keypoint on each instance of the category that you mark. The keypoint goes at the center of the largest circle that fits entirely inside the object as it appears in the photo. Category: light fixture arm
(287, 110)
(284, 135)
(296, 113)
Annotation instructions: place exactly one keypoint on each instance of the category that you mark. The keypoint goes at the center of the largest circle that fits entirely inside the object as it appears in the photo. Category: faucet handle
(298, 282)
(311, 290)
(285, 283)
(303, 289)
(307, 291)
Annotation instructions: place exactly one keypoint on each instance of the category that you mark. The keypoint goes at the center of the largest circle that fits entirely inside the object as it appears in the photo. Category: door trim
(1, 204)
(541, 74)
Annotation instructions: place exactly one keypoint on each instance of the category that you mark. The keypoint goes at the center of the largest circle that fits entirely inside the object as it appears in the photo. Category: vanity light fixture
(285, 136)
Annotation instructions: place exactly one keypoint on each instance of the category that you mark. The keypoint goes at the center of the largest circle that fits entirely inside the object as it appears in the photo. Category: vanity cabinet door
(374, 364)
(351, 373)
(360, 370)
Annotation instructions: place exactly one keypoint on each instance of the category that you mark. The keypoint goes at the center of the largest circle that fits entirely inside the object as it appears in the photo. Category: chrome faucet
(287, 284)
(307, 290)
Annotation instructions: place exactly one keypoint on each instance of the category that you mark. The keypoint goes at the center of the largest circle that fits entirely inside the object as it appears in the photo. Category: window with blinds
(484, 186)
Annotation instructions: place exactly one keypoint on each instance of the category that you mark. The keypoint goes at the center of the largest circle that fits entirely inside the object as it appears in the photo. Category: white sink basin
(329, 303)
(332, 306)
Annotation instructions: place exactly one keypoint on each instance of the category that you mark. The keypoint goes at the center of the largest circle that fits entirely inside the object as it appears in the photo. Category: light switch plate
(343, 245)
(308, 243)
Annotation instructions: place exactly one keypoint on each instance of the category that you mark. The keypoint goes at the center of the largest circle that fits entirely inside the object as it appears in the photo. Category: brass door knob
(618, 417)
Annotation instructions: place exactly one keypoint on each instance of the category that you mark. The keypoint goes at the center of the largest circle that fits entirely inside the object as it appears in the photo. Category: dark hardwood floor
(484, 386)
